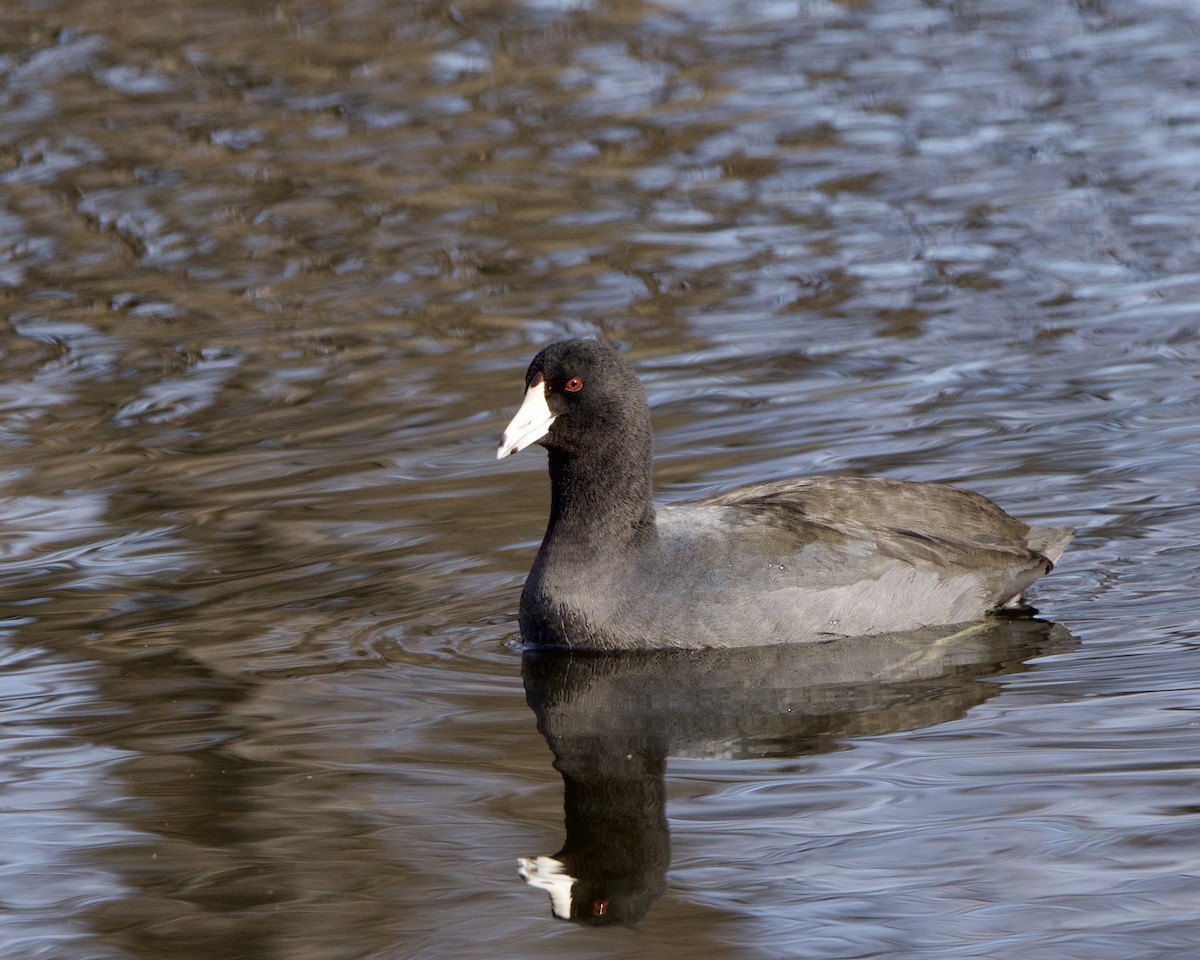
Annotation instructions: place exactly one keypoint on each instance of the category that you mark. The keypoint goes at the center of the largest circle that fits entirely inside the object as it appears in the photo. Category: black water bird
(802, 560)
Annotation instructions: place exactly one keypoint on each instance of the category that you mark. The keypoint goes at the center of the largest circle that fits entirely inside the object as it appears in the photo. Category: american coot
(798, 560)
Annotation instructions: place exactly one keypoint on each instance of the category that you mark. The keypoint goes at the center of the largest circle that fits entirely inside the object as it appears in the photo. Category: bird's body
(799, 560)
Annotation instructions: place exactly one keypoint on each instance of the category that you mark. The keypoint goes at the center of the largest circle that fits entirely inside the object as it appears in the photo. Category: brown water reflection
(269, 275)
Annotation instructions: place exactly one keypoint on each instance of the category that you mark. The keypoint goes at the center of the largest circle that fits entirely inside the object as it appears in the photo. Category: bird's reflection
(612, 720)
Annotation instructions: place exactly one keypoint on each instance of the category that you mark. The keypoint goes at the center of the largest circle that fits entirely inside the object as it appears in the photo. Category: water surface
(270, 276)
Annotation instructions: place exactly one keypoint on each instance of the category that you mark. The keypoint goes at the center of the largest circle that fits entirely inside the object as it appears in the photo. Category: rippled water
(270, 276)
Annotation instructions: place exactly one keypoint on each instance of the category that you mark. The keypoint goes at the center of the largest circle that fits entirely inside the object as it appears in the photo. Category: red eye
(574, 385)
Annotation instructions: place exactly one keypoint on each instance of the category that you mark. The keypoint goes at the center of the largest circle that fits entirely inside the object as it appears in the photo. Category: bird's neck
(601, 502)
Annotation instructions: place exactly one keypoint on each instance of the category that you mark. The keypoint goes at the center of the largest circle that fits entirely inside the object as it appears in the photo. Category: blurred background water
(270, 274)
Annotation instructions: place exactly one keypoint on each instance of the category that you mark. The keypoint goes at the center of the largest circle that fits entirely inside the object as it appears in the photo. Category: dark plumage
(790, 561)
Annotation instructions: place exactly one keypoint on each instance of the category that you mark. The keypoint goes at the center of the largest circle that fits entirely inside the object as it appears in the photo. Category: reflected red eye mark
(574, 385)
